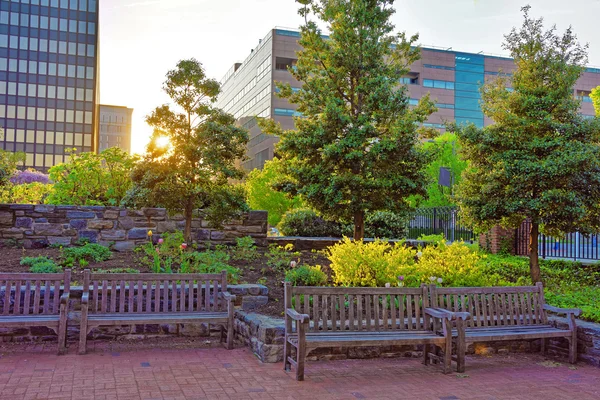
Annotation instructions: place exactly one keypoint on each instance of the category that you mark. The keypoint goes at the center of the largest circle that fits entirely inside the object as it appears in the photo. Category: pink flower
(183, 246)
(160, 241)
(401, 278)
(157, 250)
(293, 264)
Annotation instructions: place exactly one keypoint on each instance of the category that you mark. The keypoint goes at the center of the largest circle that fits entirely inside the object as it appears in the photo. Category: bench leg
(544, 346)
(426, 354)
(286, 353)
(448, 356)
(461, 346)
(573, 349)
(229, 336)
(301, 355)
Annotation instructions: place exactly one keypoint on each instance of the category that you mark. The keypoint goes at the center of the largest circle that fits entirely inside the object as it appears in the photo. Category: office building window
(432, 83)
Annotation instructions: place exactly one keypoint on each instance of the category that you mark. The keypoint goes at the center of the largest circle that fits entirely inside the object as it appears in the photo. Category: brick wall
(496, 238)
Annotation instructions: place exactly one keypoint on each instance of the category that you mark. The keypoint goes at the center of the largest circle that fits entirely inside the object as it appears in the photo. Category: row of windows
(438, 67)
(105, 128)
(261, 95)
(76, 5)
(431, 83)
(294, 89)
(251, 123)
(244, 91)
(47, 92)
(41, 137)
(286, 112)
(43, 68)
(444, 105)
(264, 68)
(430, 125)
(52, 23)
(257, 140)
(46, 114)
(585, 99)
(47, 46)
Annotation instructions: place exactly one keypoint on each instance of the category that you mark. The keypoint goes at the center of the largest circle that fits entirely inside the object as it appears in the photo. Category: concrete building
(451, 77)
(48, 78)
(115, 127)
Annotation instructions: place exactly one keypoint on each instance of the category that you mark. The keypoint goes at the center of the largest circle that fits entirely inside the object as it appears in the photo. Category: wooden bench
(29, 300)
(503, 313)
(341, 316)
(132, 299)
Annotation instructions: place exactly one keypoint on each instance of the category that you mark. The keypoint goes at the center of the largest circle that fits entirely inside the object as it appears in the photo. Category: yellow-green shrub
(369, 264)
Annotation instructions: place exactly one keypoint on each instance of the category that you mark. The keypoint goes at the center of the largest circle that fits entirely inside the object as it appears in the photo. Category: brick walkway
(191, 371)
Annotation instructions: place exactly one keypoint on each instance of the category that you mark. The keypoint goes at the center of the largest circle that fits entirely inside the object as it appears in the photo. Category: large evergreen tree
(356, 147)
(540, 160)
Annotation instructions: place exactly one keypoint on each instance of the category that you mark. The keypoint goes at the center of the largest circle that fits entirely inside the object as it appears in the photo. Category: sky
(141, 40)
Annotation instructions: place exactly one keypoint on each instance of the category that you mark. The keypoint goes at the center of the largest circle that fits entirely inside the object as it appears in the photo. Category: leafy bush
(27, 193)
(244, 250)
(357, 263)
(304, 222)
(41, 265)
(85, 254)
(587, 298)
(386, 224)
(432, 238)
(209, 262)
(279, 258)
(305, 275)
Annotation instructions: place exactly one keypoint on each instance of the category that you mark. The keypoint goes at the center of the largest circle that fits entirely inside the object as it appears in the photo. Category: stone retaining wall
(36, 226)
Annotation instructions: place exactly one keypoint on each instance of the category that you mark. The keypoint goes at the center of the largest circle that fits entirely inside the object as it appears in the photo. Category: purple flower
(401, 278)
(28, 176)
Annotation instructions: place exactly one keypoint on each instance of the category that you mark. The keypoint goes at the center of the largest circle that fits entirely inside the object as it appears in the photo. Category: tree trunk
(534, 262)
(187, 233)
(359, 225)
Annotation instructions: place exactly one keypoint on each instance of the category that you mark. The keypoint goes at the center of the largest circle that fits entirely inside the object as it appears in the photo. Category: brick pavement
(196, 370)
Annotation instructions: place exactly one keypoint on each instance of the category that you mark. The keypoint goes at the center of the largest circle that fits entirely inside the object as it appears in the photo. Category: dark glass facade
(48, 78)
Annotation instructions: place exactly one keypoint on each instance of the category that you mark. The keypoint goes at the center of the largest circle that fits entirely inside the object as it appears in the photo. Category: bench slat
(17, 306)
(38, 295)
(351, 312)
(27, 299)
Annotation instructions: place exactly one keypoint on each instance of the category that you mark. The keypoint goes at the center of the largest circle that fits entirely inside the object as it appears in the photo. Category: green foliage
(92, 179)
(586, 298)
(262, 195)
(165, 254)
(244, 250)
(117, 271)
(304, 222)
(280, 258)
(595, 96)
(386, 224)
(41, 265)
(444, 151)
(357, 146)
(305, 275)
(26, 193)
(540, 159)
(84, 255)
(356, 263)
(8, 163)
(193, 170)
(209, 262)
(432, 238)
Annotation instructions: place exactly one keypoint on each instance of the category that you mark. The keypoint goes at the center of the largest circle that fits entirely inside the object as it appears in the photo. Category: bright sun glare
(162, 141)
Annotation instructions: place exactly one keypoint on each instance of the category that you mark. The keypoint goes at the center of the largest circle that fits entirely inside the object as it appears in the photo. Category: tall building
(115, 127)
(48, 78)
(451, 77)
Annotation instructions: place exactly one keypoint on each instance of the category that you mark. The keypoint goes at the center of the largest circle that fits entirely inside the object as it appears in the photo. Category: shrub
(586, 298)
(41, 265)
(84, 254)
(209, 262)
(279, 258)
(305, 275)
(356, 263)
(27, 193)
(244, 250)
(432, 238)
(304, 222)
(386, 224)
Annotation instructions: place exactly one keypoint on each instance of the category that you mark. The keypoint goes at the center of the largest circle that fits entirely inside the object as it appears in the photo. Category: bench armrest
(228, 296)
(85, 299)
(296, 316)
(64, 299)
(452, 316)
(575, 311)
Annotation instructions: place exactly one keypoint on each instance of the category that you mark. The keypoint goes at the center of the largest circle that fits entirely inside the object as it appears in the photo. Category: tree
(193, 151)
(92, 179)
(356, 146)
(540, 160)
(262, 195)
(595, 95)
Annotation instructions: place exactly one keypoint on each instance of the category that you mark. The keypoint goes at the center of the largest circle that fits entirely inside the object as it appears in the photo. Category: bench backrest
(154, 293)
(31, 294)
(494, 306)
(334, 309)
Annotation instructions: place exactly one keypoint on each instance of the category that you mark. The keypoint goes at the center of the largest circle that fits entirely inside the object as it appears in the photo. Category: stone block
(48, 229)
(6, 218)
(41, 331)
(217, 235)
(125, 223)
(258, 215)
(138, 233)
(100, 224)
(21, 206)
(44, 208)
(41, 220)
(114, 235)
(19, 213)
(145, 225)
(23, 222)
(124, 246)
(364, 352)
(111, 214)
(92, 236)
(167, 226)
(203, 234)
(154, 212)
(252, 302)
(81, 215)
(135, 213)
(35, 243)
(63, 241)
(12, 233)
(251, 229)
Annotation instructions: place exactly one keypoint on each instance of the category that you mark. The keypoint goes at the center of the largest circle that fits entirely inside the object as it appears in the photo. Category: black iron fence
(572, 246)
(439, 220)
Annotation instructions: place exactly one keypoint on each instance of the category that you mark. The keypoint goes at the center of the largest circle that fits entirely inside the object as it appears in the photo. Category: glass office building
(48, 78)
(452, 78)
